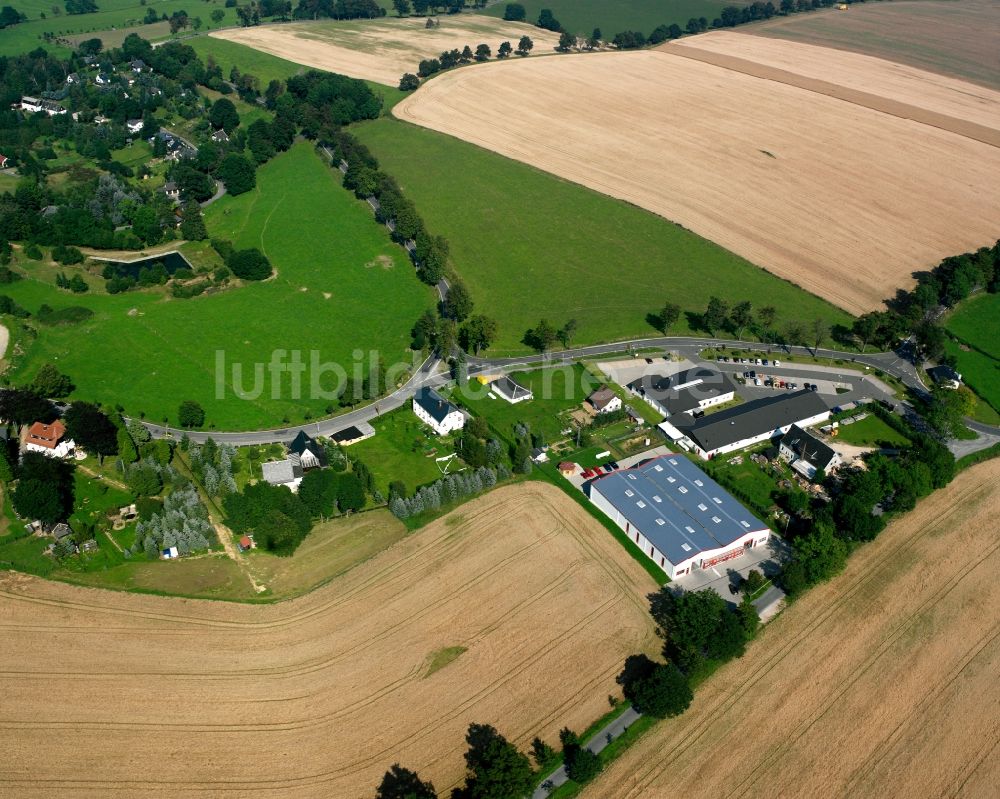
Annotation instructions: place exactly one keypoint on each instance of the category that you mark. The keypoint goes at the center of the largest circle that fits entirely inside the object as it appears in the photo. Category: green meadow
(976, 324)
(582, 16)
(341, 284)
(530, 245)
(111, 18)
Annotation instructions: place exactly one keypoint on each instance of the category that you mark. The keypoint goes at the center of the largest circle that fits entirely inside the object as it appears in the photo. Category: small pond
(172, 261)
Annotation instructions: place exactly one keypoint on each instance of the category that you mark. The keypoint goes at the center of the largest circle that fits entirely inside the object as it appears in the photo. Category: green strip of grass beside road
(530, 245)
(870, 432)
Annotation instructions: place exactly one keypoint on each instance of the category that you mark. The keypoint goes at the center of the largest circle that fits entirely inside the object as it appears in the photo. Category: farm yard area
(694, 155)
(957, 39)
(328, 690)
(382, 50)
(880, 683)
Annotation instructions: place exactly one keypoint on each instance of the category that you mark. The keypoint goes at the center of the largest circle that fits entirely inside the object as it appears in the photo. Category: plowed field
(111, 695)
(882, 683)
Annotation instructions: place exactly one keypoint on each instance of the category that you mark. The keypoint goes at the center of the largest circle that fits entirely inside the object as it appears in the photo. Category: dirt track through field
(882, 683)
(841, 199)
(945, 103)
(382, 50)
(114, 695)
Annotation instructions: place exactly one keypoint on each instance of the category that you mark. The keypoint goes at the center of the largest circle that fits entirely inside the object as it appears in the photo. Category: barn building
(677, 515)
(434, 410)
(745, 425)
(690, 391)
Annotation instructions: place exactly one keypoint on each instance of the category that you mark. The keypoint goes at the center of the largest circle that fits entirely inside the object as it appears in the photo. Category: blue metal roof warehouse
(677, 514)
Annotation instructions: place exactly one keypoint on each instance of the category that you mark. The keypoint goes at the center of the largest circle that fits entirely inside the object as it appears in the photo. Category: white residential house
(434, 410)
(49, 439)
(134, 125)
(310, 452)
(604, 400)
(509, 390)
(806, 453)
(33, 105)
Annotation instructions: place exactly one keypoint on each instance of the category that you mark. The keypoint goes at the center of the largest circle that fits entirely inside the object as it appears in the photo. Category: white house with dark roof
(509, 390)
(604, 400)
(133, 125)
(677, 515)
(308, 450)
(688, 392)
(434, 410)
(806, 453)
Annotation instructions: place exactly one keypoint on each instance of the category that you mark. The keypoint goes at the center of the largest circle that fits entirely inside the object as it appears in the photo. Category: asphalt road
(432, 373)
(601, 739)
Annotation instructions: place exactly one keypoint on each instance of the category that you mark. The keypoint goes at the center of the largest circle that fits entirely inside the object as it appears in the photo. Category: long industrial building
(677, 515)
(745, 425)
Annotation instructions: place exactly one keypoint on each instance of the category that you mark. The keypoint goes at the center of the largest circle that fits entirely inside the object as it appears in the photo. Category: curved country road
(430, 374)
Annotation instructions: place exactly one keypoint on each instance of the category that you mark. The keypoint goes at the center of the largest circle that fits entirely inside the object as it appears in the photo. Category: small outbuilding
(511, 391)
(567, 468)
(353, 434)
(171, 552)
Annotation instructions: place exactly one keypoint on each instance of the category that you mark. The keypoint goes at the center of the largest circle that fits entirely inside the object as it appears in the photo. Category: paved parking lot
(766, 558)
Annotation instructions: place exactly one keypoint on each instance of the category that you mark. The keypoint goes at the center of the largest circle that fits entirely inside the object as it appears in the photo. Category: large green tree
(655, 689)
(237, 173)
(496, 769)
(401, 783)
(224, 115)
(50, 382)
(91, 429)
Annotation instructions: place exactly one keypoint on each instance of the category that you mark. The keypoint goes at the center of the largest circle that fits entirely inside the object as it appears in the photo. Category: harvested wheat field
(841, 199)
(114, 695)
(882, 683)
(382, 50)
(886, 86)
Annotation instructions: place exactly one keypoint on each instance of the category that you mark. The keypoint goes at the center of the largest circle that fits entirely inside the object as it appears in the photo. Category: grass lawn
(870, 432)
(749, 483)
(530, 245)
(977, 324)
(330, 296)
(582, 16)
(401, 450)
(555, 392)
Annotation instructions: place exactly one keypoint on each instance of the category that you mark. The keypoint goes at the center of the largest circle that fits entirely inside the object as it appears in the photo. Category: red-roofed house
(49, 439)
(245, 543)
(3, 161)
